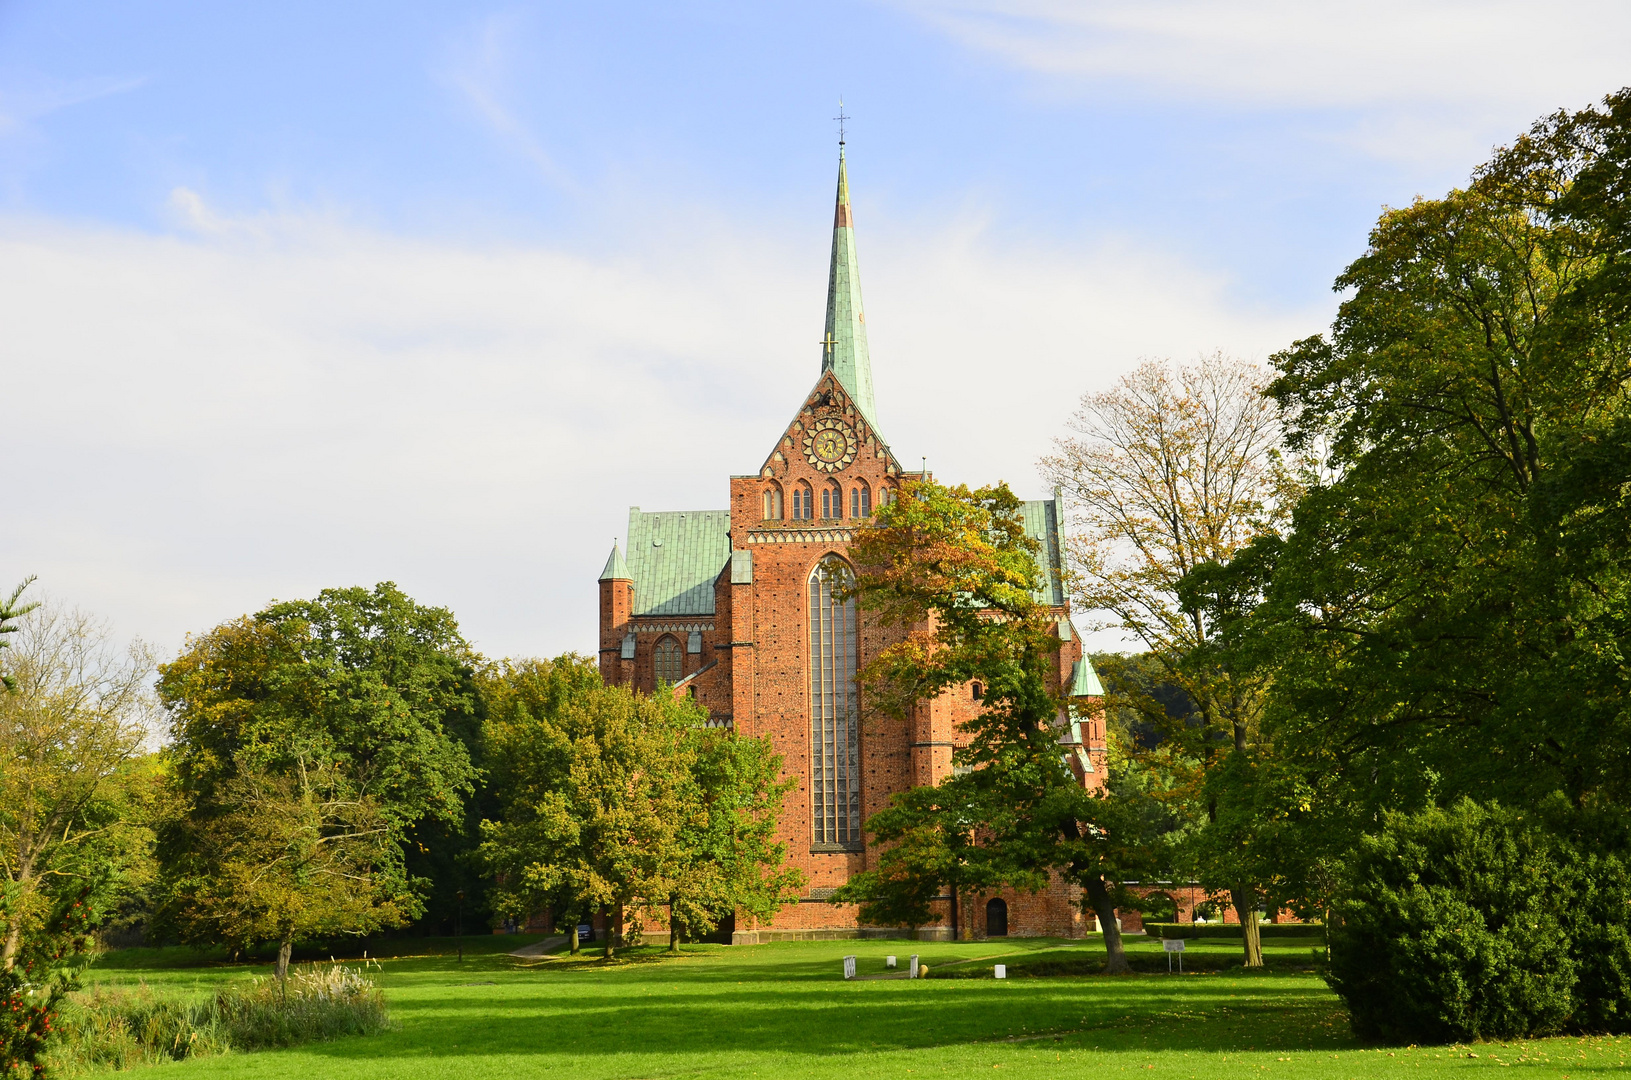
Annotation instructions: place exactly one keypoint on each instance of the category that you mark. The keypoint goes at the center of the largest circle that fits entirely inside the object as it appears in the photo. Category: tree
(310, 740)
(594, 783)
(953, 571)
(730, 861)
(73, 714)
(76, 717)
(10, 611)
(1447, 617)
(1178, 468)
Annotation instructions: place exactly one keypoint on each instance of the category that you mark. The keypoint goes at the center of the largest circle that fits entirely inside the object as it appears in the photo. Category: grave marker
(1002, 971)
(889, 962)
(849, 967)
(914, 965)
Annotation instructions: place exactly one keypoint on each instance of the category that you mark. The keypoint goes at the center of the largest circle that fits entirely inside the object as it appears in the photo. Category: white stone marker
(1002, 971)
(849, 967)
(889, 961)
(914, 965)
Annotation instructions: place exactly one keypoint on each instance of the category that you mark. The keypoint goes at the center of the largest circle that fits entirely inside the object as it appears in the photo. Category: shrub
(1445, 929)
(119, 1028)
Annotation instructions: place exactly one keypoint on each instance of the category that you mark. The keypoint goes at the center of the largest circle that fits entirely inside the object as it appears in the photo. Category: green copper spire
(616, 568)
(843, 347)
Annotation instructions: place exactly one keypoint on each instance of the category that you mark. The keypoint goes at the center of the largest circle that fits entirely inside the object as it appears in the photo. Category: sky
(304, 295)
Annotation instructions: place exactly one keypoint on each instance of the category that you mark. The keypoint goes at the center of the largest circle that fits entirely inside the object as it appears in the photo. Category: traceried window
(860, 501)
(773, 502)
(832, 500)
(835, 710)
(803, 502)
(669, 659)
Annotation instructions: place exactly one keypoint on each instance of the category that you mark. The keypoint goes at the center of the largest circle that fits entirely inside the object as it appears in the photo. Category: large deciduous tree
(309, 741)
(616, 800)
(1450, 615)
(1178, 467)
(75, 717)
(953, 572)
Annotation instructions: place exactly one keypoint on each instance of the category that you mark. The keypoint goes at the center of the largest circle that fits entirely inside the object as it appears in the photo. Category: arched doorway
(996, 917)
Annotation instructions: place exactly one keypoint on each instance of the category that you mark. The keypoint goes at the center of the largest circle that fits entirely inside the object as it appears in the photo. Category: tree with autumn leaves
(953, 573)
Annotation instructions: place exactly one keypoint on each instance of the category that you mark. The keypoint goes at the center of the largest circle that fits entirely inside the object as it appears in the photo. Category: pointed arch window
(669, 660)
(803, 502)
(773, 502)
(860, 500)
(835, 710)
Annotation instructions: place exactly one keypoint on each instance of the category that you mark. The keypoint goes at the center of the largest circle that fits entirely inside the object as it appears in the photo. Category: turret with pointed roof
(843, 348)
(616, 568)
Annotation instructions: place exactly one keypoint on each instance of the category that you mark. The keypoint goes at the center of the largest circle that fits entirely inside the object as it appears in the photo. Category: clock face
(830, 445)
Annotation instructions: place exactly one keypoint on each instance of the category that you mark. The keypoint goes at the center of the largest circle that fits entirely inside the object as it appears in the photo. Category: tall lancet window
(835, 711)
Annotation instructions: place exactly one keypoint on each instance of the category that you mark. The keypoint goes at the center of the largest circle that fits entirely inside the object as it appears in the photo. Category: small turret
(616, 606)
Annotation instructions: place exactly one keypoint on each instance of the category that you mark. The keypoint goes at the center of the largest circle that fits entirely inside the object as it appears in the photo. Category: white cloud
(258, 408)
(1288, 52)
(1428, 80)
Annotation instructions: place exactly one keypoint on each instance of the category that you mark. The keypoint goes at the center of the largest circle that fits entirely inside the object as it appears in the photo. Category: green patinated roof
(1084, 681)
(674, 557)
(1042, 523)
(616, 568)
(844, 349)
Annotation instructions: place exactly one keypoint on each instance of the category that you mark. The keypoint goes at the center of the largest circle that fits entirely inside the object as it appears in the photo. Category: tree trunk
(285, 947)
(673, 930)
(1245, 901)
(576, 946)
(1115, 956)
(14, 944)
(606, 950)
(956, 934)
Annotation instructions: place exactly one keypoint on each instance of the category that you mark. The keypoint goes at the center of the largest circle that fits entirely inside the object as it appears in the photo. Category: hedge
(1232, 930)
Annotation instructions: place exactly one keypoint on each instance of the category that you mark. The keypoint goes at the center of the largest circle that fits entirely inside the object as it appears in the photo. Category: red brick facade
(753, 669)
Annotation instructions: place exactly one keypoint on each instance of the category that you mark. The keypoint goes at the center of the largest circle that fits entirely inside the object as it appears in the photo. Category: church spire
(843, 347)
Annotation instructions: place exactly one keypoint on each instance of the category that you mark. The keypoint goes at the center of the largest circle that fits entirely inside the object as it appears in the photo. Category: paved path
(539, 948)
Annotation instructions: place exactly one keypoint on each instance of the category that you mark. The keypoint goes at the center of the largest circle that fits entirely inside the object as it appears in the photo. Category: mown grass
(784, 1011)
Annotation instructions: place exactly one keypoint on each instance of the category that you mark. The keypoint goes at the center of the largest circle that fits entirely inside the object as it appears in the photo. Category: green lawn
(784, 1011)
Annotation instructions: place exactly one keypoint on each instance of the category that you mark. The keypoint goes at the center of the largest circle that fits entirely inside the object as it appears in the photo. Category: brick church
(733, 607)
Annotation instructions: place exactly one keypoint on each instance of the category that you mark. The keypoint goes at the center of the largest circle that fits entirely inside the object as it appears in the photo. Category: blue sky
(309, 294)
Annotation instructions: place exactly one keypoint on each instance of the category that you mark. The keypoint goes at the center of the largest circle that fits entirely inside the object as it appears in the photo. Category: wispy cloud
(478, 70)
(26, 101)
(1289, 52)
(1424, 80)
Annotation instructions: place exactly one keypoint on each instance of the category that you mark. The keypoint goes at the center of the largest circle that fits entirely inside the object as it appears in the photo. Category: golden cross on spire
(828, 344)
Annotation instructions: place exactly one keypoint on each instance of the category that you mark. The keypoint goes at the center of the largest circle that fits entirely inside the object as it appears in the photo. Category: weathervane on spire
(841, 118)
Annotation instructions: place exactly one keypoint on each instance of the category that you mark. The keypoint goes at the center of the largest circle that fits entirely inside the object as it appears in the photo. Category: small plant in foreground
(121, 1028)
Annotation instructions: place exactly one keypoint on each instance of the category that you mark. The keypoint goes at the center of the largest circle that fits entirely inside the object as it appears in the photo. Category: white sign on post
(914, 965)
(849, 967)
(1002, 971)
(1170, 946)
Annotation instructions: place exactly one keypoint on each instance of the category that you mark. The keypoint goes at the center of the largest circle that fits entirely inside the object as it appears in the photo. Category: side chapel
(733, 608)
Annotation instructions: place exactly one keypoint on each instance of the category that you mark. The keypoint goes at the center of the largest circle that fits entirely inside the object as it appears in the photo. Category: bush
(119, 1028)
(1232, 930)
(1445, 929)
